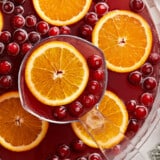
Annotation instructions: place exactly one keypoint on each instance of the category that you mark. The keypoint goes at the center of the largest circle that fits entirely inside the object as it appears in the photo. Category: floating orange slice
(61, 12)
(19, 130)
(125, 38)
(56, 73)
(108, 130)
(1, 21)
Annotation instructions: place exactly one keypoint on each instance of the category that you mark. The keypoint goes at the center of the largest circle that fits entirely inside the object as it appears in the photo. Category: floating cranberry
(147, 99)
(34, 37)
(98, 74)
(13, 48)
(63, 151)
(31, 21)
(19, 1)
(95, 156)
(131, 105)
(94, 61)
(135, 77)
(81, 158)
(141, 112)
(86, 31)
(101, 8)
(78, 145)
(42, 27)
(88, 100)
(60, 112)
(91, 18)
(5, 67)
(17, 21)
(5, 36)
(53, 157)
(133, 125)
(94, 87)
(8, 7)
(6, 81)
(137, 5)
(18, 9)
(154, 58)
(76, 108)
(149, 83)
(65, 30)
(53, 31)
(147, 69)
(2, 46)
(20, 35)
(25, 47)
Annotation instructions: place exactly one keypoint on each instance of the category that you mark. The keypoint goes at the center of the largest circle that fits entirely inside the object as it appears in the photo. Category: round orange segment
(1, 21)
(56, 73)
(125, 38)
(61, 12)
(107, 126)
(19, 130)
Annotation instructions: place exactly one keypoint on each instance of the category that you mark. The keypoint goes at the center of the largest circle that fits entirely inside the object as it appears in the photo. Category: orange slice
(19, 130)
(1, 21)
(61, 12)
(56, 73)
(108, 130)
(125, 38)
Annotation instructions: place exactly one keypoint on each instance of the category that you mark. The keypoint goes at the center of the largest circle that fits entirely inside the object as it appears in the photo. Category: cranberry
(81, 158)
(65, 30)
(53, 31)
(18, 9)
(42, 27)
(13, 48)
(91, 18)
(94, 61)
(19, 1)
(135, 77)
(88, 100)
(53, 157)
(101, 8)
(133, 125)
(137, 5)
(5, 67)
(131, 105)
(149, 83)
(31, 20)
(2, 46)
(154, 58)
(147, 99)
(98, 75)
(76, 108)
(20, 35)
(94, 87)
(5, 36)
(25, 47)
(86, 31)
(34, 37)
(60, 112)
(6, 81)
(18, 21)
(147, 69)
(63, 151)
(141, 112)
(78, 145)
(95, 156)
(8, 7)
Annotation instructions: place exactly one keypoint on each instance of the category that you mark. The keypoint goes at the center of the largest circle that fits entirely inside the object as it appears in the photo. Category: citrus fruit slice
(61, 12)
(125, 38)
(19, 130)
(107, 130)
(1, 21)
(56, 73)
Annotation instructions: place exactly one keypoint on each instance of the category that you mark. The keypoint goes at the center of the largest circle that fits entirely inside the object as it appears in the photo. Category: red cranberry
(147, 99)
(94, 61)
(5, 67)
(34, 37)
(63, 151)
(60, 112)
(88, 100)
(147, 69)
(5, 36)
(42, 27)
(135, 77)
(78, 145)
(137, 5)
(53, 31)
(154, 58)
(95, 156)
(2, 46)
(101, 8)
(131, 105)
(86, 31)
(20, 35)
(31, 20)
(18, 21)
(25, 47)
(6, 81)
(141, 112)
(133, 125)
(65, 30)
(94, 87)
(98, 75)
(91, 18)
(13, 48)
(76, 108)
(18, 9)
(19, 1)
(149, 83)
(53, 157)
(8, 7)
(81, 158)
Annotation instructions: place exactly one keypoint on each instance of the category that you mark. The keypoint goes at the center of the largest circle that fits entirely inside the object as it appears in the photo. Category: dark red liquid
(58, 134)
